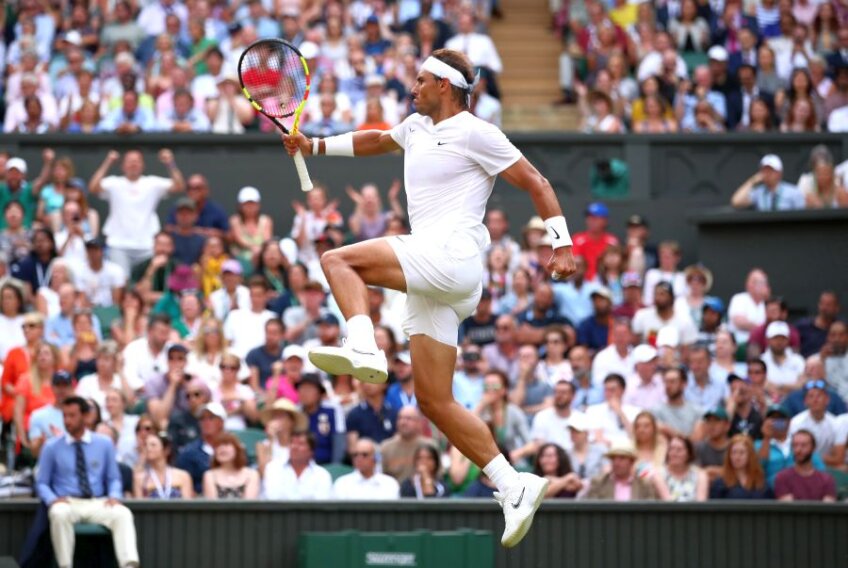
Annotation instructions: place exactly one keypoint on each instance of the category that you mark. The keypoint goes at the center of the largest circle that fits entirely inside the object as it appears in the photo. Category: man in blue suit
(79, 481)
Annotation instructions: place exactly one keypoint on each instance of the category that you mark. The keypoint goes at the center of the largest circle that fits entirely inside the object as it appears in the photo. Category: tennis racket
(275, 79)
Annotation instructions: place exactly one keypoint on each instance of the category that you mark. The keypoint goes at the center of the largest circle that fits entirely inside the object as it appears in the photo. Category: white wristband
(341, 145)
(558, 231)
(315, 142)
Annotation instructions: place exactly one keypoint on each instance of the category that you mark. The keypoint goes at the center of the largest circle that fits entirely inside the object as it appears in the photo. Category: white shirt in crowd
(221, 304)
(786, 373)
(654, 276)
(450, 170)
(601, 417)
(549, 427)
(89, 387)
(243, 393)
(647, 324)
(479, 48)
(140, 365)
(742, 304)
(608, 361)
(210, 370)
(281, 482)
(11, 334)
(825, 431)
(98, 285)
(132, 221)
(245, 329)
(378, 487)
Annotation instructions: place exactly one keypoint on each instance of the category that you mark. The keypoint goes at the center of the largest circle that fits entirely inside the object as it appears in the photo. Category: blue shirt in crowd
(784, 198)
(210, 216)
(592, 334)
(377, 426)
(57, 468)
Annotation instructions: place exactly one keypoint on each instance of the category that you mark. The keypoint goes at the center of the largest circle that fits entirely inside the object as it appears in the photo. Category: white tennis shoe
(519, 504)
(344, 360)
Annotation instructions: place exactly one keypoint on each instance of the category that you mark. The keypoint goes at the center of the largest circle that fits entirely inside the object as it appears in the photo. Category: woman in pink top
(285, 375)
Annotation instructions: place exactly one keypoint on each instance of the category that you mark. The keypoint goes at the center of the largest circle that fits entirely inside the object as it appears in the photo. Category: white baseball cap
(578, 421)
(777, 329)
(717, 53)
(249, 193)
(16, 164)
(772, 161)
(294, 351)
(73, 37)
(309, 50)
(214, 408)
(644, 353)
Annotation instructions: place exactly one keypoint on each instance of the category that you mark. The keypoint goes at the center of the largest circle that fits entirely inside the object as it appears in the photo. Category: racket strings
(274, 77)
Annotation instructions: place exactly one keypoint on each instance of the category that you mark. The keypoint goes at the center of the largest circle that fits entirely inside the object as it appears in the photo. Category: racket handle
(302, 172)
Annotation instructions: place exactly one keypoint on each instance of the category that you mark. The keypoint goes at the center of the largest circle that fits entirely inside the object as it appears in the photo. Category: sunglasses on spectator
(30, 325)
(361, 455)
(817, 384)
(228, 367)
(146, 428)
(176, 357)
(492, 388)
(194, 394)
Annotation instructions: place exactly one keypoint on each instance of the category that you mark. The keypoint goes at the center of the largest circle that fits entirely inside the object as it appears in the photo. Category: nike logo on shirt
(440, 143)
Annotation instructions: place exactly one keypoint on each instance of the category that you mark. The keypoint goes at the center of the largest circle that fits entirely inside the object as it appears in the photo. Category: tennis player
(451, 161)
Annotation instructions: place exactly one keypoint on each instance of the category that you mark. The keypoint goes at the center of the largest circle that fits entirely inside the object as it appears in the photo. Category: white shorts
(443, 284)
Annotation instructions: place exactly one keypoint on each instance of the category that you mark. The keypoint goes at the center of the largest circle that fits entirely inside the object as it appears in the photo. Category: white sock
(360, 334)
(502, 474)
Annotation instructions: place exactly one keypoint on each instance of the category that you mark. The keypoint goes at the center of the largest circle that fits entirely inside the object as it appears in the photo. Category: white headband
(444, 71)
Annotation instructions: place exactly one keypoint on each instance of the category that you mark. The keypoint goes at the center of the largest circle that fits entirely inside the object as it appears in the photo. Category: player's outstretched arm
(362, 143)
(523, 175)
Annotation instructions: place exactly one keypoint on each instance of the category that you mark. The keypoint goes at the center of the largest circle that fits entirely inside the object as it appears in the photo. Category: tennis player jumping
(451, 160)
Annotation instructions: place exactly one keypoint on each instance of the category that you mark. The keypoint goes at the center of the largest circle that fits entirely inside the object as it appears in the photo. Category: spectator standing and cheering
(133, 197)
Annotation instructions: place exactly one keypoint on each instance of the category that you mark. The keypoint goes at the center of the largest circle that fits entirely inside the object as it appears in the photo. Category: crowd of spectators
(187, 338)
(705, 66)
(171, 66)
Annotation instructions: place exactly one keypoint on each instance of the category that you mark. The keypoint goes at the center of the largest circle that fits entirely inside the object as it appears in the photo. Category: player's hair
(461, 63)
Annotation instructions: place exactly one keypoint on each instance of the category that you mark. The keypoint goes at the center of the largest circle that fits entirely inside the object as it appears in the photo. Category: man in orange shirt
(591, 243)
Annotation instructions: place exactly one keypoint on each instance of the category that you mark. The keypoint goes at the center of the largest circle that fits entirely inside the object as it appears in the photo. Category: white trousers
(116, 518)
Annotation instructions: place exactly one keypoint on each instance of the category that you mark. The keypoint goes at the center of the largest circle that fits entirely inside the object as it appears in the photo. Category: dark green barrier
(227, 534)
(423, 549)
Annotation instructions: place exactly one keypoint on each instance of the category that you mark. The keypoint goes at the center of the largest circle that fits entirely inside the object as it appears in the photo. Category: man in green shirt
(16, 188)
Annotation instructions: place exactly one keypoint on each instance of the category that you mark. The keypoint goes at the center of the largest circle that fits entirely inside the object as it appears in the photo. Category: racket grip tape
(302, 172)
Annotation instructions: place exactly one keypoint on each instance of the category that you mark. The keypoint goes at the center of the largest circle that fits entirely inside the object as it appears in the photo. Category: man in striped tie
(79, 481)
